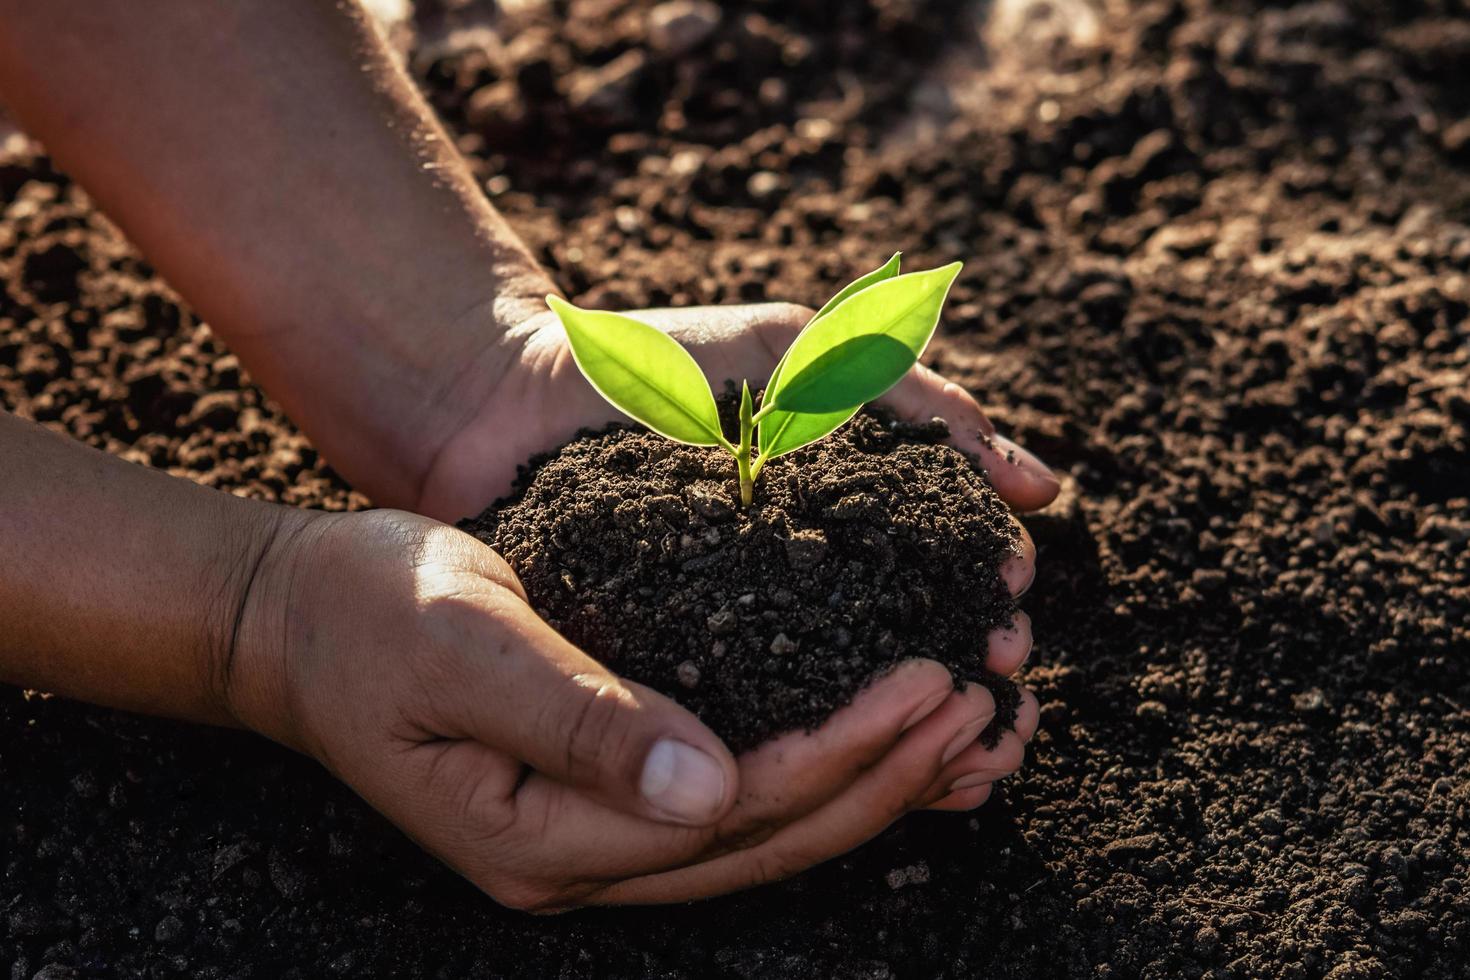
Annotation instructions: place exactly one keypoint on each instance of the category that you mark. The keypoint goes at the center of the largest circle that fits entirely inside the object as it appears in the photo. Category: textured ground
(1218, 272)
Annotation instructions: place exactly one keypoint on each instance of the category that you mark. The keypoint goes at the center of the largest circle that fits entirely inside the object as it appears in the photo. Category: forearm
(119, 584)
(284, 176)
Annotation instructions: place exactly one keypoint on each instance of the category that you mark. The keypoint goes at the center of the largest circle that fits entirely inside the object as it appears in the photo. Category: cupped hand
(402, 654)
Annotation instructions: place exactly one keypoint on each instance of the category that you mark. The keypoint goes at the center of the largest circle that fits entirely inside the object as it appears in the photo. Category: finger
(511, 682)
(1019, 570)
(978, 764)
(780, 782)
(1028, 714)
(1008, 647)
(970, 798)
(1021, 479)
(882, 795)
(793, 775)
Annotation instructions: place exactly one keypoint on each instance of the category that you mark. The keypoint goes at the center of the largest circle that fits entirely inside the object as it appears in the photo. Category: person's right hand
(402, 654)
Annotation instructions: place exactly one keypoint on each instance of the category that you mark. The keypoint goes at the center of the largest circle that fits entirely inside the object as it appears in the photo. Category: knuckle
(484, 814)
(780, 864)
(539, 897)
(594, 721)
(744, 835)
(523, 895)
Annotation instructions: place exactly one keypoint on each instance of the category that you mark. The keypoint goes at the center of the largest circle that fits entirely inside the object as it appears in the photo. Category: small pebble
(688, 674)
(721, 622)
(783, 645)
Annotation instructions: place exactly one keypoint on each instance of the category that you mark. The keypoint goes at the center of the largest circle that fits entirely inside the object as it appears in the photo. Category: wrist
(474, 351)
(253, 674)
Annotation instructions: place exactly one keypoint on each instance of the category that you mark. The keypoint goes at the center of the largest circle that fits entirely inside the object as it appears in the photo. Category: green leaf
(854, 372)
(643, 372)
(904, 310)
(783, 432)
(852, 355)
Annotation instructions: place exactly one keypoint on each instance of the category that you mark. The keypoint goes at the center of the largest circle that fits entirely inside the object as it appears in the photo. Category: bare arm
(120, 584)
(282, 173)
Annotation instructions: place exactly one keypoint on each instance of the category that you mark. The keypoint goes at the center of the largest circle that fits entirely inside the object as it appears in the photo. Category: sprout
(853, 350)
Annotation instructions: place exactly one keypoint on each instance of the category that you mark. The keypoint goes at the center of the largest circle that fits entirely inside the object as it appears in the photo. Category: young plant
(854, 349)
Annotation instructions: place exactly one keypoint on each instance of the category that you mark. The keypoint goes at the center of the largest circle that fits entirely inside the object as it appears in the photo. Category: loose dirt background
(1217, 271)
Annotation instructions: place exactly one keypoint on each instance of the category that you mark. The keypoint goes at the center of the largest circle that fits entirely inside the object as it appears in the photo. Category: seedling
(854, 349)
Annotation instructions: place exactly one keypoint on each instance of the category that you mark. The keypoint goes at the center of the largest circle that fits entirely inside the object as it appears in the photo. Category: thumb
(535, 696)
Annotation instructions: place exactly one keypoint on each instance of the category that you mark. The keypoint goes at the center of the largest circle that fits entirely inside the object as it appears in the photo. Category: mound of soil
(868, 548)
(1217, 273)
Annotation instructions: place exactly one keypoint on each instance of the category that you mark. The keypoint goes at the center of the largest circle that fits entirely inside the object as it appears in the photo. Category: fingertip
(1019, 570)
(1008, 647)
(1028, 714)
(979, 710)
(1023, 480)
(984, 700)
(965, 798)
(687, 775)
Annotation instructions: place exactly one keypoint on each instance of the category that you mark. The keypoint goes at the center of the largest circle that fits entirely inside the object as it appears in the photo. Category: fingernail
(925, 709)
(962, 739)
(973, 779)
(682, 782)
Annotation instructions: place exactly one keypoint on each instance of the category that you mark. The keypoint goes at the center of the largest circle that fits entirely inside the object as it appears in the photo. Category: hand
(401, 653)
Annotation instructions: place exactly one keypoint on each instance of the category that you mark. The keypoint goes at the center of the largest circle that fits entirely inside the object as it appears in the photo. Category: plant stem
(742, 453)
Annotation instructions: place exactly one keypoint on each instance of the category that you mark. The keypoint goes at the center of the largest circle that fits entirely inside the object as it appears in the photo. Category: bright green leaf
(903, 310)
(783, 432)
(643, 372)
(852, 373)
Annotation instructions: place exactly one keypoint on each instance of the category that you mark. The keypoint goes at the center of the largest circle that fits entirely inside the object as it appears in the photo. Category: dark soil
(868, 548)
(1218, 273)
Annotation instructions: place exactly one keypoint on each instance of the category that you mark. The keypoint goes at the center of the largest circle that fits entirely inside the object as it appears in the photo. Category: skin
(277, 167)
